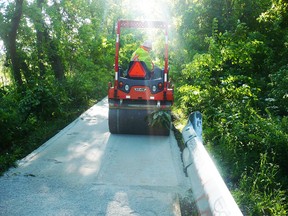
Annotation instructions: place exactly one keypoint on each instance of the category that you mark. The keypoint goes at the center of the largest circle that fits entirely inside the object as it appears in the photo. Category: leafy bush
(86, 86)
(248, 142)
(9, 121)
(42, 101)
(278, 101)
(236, 135)
(159, 118)
(259, 191)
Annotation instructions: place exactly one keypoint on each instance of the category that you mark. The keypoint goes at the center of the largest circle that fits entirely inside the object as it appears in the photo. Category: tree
(11, 25)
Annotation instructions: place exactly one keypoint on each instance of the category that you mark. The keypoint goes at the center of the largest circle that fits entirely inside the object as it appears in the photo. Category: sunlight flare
(148, 9)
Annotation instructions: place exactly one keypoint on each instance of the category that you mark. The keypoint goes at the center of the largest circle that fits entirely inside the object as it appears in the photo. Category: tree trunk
(54, 55)
(54, 58)
(12, 35)
(40, 39)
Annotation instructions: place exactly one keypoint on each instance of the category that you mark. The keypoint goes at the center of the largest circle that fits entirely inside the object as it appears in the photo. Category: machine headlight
(126, 87)
(154, 88)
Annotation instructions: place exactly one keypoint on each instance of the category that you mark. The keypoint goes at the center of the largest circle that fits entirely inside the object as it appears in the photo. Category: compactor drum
(139, 97)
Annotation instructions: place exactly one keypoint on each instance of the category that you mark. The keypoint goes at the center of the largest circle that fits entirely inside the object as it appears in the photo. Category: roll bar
(140, 24)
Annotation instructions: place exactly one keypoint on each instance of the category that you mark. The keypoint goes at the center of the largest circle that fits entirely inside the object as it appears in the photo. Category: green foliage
(278, 101)
(41, 101)
(234, 130)
(259, 191)
(159, 118)
(238, 80)
(87, 85)
(9, 121)
(245, 133)
(129, 43)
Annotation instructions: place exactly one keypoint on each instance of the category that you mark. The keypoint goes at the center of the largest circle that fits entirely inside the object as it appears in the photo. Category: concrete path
(84, 170)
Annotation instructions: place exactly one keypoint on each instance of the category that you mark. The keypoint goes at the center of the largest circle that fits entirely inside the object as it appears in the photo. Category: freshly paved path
(84, 170)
